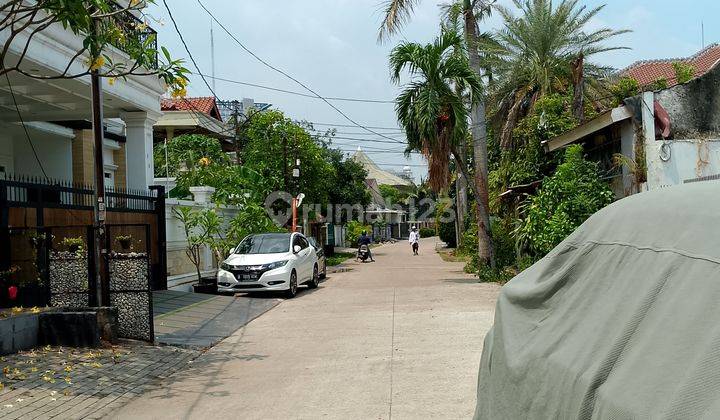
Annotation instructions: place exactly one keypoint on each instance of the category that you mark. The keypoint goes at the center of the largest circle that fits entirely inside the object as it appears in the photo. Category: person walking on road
(414, 240)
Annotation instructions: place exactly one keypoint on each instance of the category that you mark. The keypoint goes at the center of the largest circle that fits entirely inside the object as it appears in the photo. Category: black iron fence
(138, 36)
(27, 191)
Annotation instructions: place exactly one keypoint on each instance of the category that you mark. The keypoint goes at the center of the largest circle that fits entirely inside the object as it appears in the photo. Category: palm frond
(395, 14)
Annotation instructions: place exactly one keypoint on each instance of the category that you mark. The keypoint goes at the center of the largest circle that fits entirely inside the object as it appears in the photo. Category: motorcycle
(363, 253)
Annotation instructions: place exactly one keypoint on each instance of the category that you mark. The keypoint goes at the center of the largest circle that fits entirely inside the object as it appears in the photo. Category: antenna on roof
(702, 33)
(212, 55)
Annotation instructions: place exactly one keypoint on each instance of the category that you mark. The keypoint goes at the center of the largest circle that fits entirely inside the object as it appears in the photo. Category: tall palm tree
(397, 12)
(432, 110)
(544, 50)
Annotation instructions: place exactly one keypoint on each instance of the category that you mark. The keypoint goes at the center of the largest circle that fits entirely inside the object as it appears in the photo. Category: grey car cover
(620, 321)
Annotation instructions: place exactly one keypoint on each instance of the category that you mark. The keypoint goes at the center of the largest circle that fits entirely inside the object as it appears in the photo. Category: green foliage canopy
(564, 202)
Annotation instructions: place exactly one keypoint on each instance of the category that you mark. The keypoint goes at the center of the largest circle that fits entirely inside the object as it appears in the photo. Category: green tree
(274, 143)
(101, 24)
(434, 115)
(185, 152)
(234, 185)
(564, 202)
(541, 48)
(473, 12)
(391, 194)
(348, 180)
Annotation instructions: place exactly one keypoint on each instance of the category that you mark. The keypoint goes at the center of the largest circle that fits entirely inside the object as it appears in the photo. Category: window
(264, 244)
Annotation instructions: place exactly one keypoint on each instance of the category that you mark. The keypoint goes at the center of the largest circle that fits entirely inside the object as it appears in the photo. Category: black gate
(47, 267)
(128, 268)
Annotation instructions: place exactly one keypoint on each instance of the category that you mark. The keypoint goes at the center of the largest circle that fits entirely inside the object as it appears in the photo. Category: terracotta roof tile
(649, 71)
(204, 104)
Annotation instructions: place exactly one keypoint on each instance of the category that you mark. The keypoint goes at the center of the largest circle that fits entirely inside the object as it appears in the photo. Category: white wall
(688, 159)
(54, 152)
(177, 241)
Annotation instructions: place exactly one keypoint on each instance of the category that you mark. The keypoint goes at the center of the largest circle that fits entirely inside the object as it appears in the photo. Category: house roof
(649, 71)
(204, 104)
(382, 177)
(606, 119)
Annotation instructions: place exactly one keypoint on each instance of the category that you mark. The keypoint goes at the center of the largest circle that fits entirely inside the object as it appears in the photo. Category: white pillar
(652, 147)
(139, 148)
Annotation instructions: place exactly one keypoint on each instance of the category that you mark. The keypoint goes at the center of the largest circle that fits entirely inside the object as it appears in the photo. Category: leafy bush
(186, 150)
(683, 72)
(503, 243)
(564, 202)
(354, 230)
(447, 234)
(659, 84)
(626, 87)
(427, 232)
(233, 184)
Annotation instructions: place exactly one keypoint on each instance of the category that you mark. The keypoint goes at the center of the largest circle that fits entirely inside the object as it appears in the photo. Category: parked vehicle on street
(619, 321)
(270, 262)
(320, 252)
(363, 253)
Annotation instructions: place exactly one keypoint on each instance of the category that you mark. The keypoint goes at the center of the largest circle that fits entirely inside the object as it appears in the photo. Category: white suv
(269, 262)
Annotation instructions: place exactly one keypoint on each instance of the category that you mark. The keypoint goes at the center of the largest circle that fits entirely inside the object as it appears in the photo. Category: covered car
(620, 321)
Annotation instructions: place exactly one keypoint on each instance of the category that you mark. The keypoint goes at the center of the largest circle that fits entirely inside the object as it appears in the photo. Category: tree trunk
(578, 77)
(461, 203)
(479, 135)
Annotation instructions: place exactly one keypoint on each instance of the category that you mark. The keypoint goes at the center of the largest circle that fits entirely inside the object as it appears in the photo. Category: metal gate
(127, 264)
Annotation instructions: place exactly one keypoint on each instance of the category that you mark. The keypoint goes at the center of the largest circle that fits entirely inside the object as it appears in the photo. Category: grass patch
(451, 255)
(338, 258)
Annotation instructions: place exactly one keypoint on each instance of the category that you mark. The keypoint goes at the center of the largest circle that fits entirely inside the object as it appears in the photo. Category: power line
(368, 140)
(351, 133)
(355, 126)
(287, 75)
(22, 122)
(290, 92)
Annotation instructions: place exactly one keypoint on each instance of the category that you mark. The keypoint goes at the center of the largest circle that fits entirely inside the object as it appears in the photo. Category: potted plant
(199, 228)
(125, 241)
(73, 245)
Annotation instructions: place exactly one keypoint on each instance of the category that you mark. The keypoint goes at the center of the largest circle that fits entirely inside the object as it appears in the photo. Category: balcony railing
(137, 35)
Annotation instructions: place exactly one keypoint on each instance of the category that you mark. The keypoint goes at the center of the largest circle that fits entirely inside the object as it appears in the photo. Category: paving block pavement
(65, 383)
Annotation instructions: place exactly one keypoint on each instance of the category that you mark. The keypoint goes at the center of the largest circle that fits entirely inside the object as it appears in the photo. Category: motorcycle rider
(365, 240)
(414, 240)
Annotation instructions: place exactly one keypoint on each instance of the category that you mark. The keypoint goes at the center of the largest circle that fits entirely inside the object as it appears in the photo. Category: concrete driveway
(399, 338)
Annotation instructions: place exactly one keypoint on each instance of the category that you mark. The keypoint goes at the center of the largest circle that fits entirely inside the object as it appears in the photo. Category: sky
(331, 46)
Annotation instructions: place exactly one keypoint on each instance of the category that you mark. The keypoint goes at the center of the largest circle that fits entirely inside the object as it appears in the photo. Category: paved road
(400, 338)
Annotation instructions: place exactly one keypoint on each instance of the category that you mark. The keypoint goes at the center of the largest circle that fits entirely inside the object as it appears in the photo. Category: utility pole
(285, 162)
(236, 114)
(101, 284)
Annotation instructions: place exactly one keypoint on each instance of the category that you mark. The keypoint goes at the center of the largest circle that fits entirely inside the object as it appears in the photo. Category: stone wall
(694, 107)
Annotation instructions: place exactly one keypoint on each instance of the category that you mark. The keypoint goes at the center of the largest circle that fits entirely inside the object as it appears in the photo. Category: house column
(652, 147)
(139, 148)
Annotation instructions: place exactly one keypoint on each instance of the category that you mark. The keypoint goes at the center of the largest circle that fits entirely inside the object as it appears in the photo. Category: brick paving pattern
(67, 383)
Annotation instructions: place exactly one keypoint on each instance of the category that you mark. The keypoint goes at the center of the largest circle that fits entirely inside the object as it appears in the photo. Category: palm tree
(432, 111)
(398, 12)
(544, 51)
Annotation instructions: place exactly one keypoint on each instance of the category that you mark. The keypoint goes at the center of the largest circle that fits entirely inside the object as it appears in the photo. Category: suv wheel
(292, 289)
(315, 278)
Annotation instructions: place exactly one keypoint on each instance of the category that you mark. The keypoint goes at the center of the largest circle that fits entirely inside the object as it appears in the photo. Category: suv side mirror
(297, 249)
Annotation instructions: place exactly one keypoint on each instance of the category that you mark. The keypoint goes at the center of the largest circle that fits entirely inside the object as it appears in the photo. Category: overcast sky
(330, 45)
